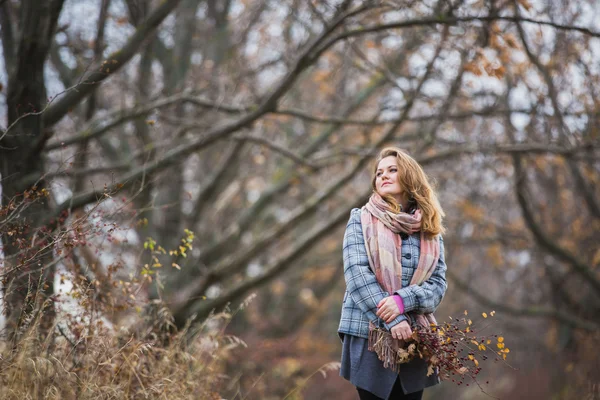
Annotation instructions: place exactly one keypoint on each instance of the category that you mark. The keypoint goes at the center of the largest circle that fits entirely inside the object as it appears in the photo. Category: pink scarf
(381, 230)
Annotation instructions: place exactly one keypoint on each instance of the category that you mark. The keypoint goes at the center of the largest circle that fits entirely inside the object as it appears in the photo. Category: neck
(402, 201)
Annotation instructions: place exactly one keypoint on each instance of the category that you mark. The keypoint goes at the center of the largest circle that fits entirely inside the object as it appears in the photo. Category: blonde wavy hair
(416, 185)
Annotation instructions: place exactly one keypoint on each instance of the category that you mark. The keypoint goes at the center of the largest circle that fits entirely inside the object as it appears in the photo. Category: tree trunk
(28, 279)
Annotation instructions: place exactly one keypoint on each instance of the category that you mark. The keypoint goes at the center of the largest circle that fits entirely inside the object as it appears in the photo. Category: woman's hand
(401, 331)
(387, 309)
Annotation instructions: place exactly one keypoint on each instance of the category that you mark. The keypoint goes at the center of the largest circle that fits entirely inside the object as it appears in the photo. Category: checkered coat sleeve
(363, 292)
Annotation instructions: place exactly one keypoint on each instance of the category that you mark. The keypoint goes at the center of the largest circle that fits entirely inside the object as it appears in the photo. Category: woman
(395, 275)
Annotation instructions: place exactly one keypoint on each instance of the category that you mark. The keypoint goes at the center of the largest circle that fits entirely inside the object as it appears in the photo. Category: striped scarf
(381, 230)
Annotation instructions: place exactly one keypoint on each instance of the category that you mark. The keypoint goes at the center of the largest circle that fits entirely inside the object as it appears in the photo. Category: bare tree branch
(138, 10)
(183, 311)
(227, 267)
(536, 312)
(588, 193)
(278, 149)
(105, 123)
(81, 157)
(112, 64)
(208, 190)
(66, 74)
(539, 235)
(443, 20)
(520, 148)
(211, 253)
(542, 238)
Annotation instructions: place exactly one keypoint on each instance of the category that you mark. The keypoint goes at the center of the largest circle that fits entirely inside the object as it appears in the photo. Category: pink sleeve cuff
(399, 303)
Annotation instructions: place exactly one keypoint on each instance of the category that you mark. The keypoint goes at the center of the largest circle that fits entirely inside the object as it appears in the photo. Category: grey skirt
(364, 370)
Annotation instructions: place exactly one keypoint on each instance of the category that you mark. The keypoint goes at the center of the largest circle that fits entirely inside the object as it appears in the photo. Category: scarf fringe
(389, 350)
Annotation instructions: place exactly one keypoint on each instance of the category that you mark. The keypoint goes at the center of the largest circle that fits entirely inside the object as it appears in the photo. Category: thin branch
(544, 241)
(443, 20)
(535, 312)
(81, 156)
(542, 238)
(183, 311)
(309, 56)
(217, 133)
(66, 74)
(268, 195)
(99, 126)
(278, 149)
(588, 193)
(88, 171)
(487, 112)
(232, 235)
(520, 148)
(224, 169)
(228, 267)
(113, 63)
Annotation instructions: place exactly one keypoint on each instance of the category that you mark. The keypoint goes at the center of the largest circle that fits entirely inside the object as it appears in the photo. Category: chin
(387, 193)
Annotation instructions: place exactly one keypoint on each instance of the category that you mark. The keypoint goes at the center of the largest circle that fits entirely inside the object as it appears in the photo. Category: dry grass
(106, 364)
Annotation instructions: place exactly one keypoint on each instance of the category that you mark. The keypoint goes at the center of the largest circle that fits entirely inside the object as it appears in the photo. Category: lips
(386, 183)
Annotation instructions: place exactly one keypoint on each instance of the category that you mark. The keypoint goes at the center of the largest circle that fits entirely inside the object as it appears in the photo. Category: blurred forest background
(236, 135)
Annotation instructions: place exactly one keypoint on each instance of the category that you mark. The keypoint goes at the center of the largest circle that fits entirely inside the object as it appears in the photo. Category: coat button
(407, 256)
(404, 236)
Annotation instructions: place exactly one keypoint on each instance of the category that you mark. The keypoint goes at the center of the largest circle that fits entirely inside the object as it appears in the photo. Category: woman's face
(386, 178)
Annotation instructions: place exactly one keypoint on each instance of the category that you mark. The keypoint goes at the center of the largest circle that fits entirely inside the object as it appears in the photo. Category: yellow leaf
(470, 322)
(176, 266)
(470, 357)
(476, 363)
(500, 339)
(484, 315)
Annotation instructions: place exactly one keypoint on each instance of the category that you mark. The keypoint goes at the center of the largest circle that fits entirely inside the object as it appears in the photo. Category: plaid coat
(363, 292)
